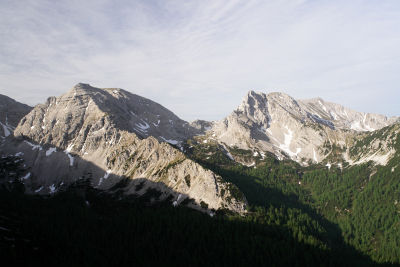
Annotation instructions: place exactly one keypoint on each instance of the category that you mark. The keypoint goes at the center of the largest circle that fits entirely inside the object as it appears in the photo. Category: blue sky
(199, 58)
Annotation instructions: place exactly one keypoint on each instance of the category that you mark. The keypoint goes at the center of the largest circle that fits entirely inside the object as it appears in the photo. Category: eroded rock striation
(111, 135)
(301, 130)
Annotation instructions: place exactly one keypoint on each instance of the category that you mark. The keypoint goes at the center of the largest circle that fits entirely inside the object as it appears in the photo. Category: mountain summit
(58, 119)
(108, 135)
(296, 129)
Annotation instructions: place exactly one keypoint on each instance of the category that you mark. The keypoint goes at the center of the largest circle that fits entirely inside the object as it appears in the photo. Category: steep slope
(379, 146)
(107, 135)
(345, 118)
(11, 112)
(127, 111)
(305, 131)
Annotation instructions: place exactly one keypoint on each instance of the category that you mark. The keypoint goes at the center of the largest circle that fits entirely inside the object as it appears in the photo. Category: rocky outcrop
(108, 135)
(11, 112)
(344, 118)
(201, 125)
(301, 130)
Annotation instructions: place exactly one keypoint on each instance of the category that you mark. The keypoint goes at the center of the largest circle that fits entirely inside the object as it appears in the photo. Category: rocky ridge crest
(111, 134)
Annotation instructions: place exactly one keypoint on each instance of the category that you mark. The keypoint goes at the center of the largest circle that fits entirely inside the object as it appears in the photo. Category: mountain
(11, 112)
(117, 185)
(108, 135)
(344, 118)
(303, 130)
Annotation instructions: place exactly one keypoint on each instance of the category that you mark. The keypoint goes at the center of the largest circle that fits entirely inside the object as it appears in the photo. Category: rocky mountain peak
(91, 109)
(296, 129)
(111, 134)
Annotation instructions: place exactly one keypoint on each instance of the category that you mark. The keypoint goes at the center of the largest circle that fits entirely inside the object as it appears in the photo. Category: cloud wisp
(199, 58)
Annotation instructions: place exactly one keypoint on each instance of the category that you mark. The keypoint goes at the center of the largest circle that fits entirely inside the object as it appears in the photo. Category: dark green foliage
(203, 205)
(356, 207)
(66, 231)
(296, 217)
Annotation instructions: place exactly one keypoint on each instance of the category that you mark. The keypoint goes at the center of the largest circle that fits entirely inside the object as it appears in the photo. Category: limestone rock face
(59, 118)
(108, 135)
(201, 125)
(345, 118)
(11, 112)
(295, 129)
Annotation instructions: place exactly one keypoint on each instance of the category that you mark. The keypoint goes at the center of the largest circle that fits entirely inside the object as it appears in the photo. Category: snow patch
(69, 148)
(71, 159)
(107, 174)
(229, 155)
(26, 176)
(287, 141)
(38, 190)
(357, 126)
(333, 114)
(315, 155)
(33, 146)
(251, 165)
(381, 159)
(369, 128)
(322, 105)
(52, 189)
(143, 126)
(50, 151)
(172, 142)
(328, 165)
(19, 154)
(175, 203)
(156, 124)
(6, 130)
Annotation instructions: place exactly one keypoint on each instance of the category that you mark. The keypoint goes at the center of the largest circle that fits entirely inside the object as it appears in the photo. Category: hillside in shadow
(83, 226)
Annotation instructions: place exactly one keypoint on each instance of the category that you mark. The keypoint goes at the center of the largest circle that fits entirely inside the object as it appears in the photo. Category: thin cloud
(199, 58)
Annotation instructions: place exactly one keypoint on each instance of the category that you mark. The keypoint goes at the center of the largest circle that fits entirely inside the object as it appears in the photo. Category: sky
(200, 58)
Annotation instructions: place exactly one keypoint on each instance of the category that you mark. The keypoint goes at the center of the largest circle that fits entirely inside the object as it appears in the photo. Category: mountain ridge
(295, 129)
(125, 135)
(110, 129)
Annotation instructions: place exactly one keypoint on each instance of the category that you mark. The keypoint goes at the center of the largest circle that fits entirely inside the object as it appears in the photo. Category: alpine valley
(104, 177)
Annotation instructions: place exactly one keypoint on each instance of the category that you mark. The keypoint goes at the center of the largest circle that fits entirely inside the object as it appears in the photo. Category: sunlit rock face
(108, 135)
(296, 129)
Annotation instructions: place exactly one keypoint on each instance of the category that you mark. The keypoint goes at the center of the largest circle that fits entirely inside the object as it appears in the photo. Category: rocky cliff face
(300, 130)
(11, 112)
(58, 119)
(344, 118)
(111, 134)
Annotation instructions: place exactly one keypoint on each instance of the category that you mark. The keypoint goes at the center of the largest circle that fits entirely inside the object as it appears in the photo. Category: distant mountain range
(122, 141)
